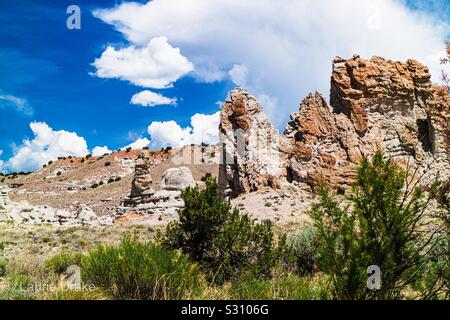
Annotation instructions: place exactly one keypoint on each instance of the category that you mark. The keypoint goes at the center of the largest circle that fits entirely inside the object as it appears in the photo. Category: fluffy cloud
(138, 144)
(168, 133)
(285, 46)
(238, 74)
(204, 128)
(155, 65)
(46, 145)
(20, 104)
(99, 151)
(147, 98)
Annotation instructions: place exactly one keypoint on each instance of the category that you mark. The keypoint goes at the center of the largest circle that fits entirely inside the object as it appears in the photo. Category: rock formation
(165, 201)
(251, 146)
(4, 199)
(375, 104)
(142, 180)
(315, 148)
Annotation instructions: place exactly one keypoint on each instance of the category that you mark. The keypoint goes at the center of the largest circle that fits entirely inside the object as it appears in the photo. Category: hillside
(102, 183)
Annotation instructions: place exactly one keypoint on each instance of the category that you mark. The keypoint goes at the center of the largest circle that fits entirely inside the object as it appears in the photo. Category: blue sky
(46, 71)
(48, 65)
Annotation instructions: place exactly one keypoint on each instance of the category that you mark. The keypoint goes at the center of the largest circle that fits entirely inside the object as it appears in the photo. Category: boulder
(85, 215)
(177, 179)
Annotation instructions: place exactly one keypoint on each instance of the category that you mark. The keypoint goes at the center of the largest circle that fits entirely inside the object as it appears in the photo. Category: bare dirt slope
(102, 182)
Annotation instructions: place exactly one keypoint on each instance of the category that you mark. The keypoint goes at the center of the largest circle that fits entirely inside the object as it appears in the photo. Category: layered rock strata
(374, 104)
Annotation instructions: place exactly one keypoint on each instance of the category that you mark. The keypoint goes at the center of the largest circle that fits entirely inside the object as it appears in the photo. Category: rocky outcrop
(392, 106)
(251, 157)
(374, 104)
(142, 180)
(23, 212)
(4, 200)
(360, 87)
(165, 201)
(315, 147)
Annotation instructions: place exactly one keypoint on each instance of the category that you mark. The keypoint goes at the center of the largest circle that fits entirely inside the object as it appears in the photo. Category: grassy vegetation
(281, 287)
(60, 262)
(138, 270)
(216, 252)
(3, 264)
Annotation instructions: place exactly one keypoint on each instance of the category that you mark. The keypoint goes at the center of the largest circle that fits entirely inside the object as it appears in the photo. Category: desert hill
(374, 104)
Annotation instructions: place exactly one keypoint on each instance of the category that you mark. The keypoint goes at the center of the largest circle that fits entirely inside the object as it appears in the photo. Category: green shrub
(15, 294)
(224, 241)
(135, 270)
(283, 287)
(380, 223)
(434, 284)
(60, 262)
(206, 177)
(3, 264)
(302, 252)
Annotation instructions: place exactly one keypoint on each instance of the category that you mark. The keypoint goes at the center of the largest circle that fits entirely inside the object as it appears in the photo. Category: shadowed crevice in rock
(423, 126)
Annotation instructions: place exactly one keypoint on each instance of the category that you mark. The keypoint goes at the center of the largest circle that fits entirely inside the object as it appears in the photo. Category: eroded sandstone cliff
(374, 104)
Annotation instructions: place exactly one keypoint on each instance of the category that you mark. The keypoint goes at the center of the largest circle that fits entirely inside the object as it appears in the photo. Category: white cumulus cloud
(204, 128)
(286, 46)
(46, 145)
(138, 144)
(99, 151)
(147, 98)
(155, 65)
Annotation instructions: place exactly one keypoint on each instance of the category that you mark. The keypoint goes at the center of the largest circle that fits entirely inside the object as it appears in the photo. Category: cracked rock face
(315, 147)
(375, 104)
(251, 157)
